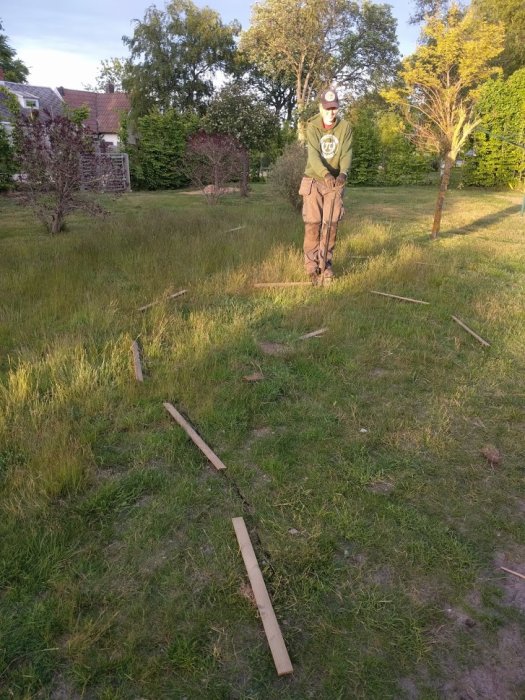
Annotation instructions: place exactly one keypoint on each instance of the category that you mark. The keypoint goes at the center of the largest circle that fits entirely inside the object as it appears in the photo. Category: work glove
(340, 180)
(329, 181)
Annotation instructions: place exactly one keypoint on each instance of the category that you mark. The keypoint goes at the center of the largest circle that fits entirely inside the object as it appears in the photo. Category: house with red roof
(105, 113)
(105, 110)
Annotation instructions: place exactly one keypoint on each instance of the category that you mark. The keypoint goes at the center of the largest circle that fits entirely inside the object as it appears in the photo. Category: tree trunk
(443, 186)
(244, 175)
(57, 221)
(301, 123)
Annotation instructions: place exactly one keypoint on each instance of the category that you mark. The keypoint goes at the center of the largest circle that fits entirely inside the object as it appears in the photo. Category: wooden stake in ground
(264, 604)
(469, 330)
(203, 447)
(171, 296)
(313, 334)
(395, 296)
(136, 361)
(282, 284)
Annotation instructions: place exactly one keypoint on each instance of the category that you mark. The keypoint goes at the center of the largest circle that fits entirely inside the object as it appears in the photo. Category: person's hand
(329, 181)
(340, 180)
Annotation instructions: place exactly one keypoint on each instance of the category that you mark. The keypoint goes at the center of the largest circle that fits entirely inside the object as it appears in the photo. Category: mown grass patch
(355, 461)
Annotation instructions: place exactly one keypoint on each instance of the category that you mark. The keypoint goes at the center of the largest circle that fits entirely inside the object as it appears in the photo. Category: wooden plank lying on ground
(171, 296)
(282, 284)
(514, 573)
(395, 296)
(469, 330)
(313, 334)
(264, 604)
(136, 361)
(203, 447)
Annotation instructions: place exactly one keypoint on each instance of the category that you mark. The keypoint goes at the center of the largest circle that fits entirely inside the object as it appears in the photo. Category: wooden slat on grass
(203, 447)
(313, 334)
(469, 330)
(264, 604)
(395, 296)
(282, 284)
(514, 573)
(171, 296)
(136, 362)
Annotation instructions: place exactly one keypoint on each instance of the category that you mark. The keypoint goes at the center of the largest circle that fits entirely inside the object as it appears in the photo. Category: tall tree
(512, 14)
(14, 69)
(312, 44)
(440, 83)
(112, 71)
(175, 54)
(424, 8)
(277, 91)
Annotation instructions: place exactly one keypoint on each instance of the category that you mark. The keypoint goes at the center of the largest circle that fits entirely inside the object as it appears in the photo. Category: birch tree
(440, 84)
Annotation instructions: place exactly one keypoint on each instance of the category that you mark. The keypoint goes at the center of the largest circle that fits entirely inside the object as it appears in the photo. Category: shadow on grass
(481, 223)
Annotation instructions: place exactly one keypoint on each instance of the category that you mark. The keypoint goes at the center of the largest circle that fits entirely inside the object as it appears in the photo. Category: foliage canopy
(14, 68)
(512, 14)
(311, 44)
(174, 56)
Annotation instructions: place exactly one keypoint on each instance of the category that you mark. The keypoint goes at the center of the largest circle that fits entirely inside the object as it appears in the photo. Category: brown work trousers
(322, 210)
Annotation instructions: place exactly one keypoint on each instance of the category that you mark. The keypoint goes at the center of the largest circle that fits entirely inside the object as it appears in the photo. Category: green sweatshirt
(329, 150)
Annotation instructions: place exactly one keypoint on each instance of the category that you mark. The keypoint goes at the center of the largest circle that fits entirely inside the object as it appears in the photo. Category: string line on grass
(158, 301)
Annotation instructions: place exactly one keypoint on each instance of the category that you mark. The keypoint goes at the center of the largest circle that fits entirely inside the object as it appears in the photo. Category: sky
(63, 41)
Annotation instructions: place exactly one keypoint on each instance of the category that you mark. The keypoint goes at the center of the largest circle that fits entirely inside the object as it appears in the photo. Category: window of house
(30, 102)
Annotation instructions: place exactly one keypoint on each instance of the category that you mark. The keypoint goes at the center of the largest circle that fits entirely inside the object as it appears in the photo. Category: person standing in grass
(329, 143)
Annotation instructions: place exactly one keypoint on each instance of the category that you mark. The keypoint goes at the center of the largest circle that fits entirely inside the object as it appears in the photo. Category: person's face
(328, 115)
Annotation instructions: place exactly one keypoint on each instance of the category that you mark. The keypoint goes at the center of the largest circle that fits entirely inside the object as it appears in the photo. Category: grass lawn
(357, 464)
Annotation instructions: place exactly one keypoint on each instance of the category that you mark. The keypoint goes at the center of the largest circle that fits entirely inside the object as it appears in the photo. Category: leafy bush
(382, 153)
(494, 160)
(366, 149)
(157, 159)
(285, 176)
(401, 162)
(7, 167)
(59, 167)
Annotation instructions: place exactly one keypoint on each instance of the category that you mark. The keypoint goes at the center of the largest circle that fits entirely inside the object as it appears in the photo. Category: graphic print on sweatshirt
(329, 144)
